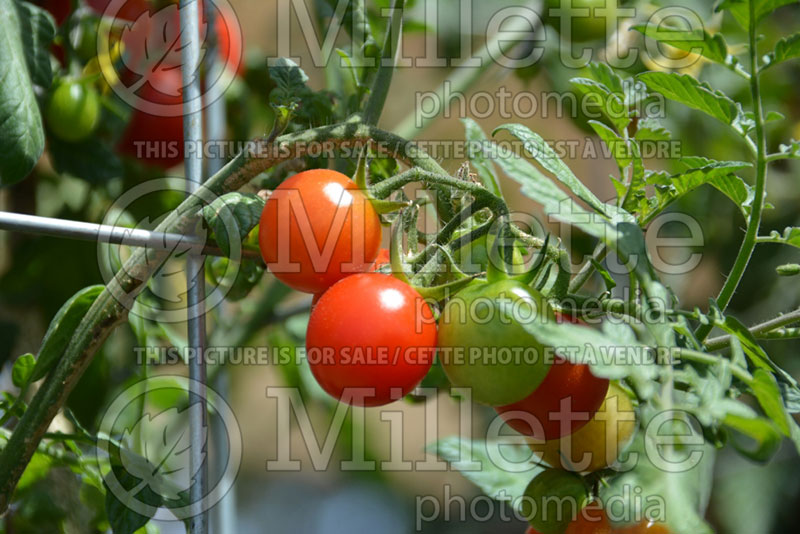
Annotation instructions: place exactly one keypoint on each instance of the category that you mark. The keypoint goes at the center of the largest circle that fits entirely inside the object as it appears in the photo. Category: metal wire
(196, 327)
(117, 235)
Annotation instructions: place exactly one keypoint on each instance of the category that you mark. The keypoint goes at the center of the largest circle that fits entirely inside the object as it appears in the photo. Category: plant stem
(753, 224)
(711, 359)
(111, 306)
(383, 79)
(587, 269)
(720, 342)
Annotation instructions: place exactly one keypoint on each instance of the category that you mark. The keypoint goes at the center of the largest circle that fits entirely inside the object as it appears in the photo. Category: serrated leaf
(61, 329)
(698, 171)
(617, 146)
(632, 90)
(233, 215)
(686, 90)
(697, 41)
(611, 104)
(785, 49)
(121, 518)
(790, 236)
(550, 161)
(37, 29)
(22, 134)
(740, 9)
(478, 142)
(23, 370)
(609, 357)
(651, 129)
(502, 477)
(290, 81)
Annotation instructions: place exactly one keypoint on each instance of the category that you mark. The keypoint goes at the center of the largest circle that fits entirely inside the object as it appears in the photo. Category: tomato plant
(73, 110)
(372, 349)
(317, 228)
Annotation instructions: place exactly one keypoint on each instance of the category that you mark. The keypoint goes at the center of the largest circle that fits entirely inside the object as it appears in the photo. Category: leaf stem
(758, 330)
(587, 269)
(754, 222)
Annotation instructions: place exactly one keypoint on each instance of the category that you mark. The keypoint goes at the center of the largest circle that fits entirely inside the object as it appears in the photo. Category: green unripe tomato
(553, 499)
(73, 110)
(486, 349)
(584, 27)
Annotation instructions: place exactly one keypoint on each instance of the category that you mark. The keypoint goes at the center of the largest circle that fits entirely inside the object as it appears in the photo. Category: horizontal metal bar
(118, 235)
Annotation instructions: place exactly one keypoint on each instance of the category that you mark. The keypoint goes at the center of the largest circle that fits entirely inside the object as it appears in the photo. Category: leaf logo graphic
(164, 465)
(153, 43)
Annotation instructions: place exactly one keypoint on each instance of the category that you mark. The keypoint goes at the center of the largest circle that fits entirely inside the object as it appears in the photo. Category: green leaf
(684, 89)
(632, 91)
(23, 370)
(548, 159)
(22, 135)
(122, 519)
(38, 28)
(790, 236)
(609, 355)
(697, 41)
(697, 171)
(765, 436)
(651, 129)
(290, 81)
(740, 9)
(616, 144)
(611, 104)
(62, 327)
(785, 49)
(684, 491)
(766, 390)
(478, 142)
(233, 215)
(502, 476)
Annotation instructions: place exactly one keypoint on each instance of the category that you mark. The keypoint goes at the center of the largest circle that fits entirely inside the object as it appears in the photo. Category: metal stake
(193, 136)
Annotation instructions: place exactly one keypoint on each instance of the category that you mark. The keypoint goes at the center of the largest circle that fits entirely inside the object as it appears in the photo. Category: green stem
(107, 311)
(753, 224)
(587, 269)
(383, 79)
(757, 330)
(712, 359)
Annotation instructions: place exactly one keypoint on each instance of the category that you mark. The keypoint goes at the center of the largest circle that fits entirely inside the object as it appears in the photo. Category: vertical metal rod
(193, 136)
(224, 516)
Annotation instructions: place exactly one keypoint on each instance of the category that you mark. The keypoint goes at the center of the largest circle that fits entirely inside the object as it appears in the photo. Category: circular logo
(145, 456)
(166, 298)
(141, 54)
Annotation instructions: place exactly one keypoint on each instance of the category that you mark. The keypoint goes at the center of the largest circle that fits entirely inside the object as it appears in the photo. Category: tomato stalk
(754, 222)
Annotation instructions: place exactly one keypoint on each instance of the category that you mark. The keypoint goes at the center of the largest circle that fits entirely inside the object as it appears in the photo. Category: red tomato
(591, 520)
(317, 228)
(161, 136)
(572, 384)
(371, 339)
(229, 40)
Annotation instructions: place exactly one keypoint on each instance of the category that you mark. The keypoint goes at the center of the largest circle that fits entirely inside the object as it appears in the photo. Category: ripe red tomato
(371, 339)
(317, 228)
(154, 139)
(572, 384)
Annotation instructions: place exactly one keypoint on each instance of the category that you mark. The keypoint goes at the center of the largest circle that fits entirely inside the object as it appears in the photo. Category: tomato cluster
(371, 338)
